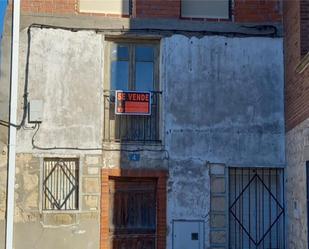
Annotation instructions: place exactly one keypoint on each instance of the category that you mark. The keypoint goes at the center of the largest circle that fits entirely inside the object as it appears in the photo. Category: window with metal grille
(133, 65)
(60, 183)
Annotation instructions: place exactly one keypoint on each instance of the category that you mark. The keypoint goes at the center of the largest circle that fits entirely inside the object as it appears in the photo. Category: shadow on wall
(136, 191)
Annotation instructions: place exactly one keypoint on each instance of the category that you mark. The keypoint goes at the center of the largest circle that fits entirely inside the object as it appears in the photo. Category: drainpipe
(12, 130)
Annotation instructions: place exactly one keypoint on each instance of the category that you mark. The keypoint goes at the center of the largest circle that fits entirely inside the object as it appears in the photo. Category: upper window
(205, 8)
(131, 66)
(60, 184)
(121, 7)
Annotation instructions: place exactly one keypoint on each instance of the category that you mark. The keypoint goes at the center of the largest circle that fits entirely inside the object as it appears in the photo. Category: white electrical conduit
(12, 130)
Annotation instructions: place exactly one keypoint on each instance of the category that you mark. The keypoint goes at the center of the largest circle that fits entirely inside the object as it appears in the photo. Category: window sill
(133, 146)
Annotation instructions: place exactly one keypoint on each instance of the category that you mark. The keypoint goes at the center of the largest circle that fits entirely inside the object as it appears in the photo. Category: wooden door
(132, 219)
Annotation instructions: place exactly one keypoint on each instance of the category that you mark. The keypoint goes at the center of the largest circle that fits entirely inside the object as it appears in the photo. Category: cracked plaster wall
(223, 103)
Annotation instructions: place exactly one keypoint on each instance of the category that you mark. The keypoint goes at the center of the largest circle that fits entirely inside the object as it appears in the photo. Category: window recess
(131, 66)
(60, 184)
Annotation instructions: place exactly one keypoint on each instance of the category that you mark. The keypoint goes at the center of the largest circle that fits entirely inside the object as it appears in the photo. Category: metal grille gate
(256, 208)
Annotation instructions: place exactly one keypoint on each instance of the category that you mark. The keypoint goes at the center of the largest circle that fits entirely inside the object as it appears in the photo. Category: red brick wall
(296, 84)
(156, 8)
(48, 6)
(243, 11)
(258, 10)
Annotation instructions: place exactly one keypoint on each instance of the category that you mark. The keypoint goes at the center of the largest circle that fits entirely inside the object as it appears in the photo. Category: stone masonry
(218, 206)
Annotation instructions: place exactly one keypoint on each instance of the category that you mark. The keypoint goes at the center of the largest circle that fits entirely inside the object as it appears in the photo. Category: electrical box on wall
(35, 111)
(188, 234)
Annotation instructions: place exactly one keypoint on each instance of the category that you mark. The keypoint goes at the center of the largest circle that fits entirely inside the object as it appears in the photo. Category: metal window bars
(60, 184)
(256, 208)
(130, 128)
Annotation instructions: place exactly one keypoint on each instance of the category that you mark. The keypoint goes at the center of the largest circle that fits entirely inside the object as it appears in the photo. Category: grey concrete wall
(224, 99)
(223, 103)
(65, 72)
(297, 154)
(188, 195)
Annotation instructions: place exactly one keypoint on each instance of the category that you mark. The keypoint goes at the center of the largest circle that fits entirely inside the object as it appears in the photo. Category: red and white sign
(133, 103)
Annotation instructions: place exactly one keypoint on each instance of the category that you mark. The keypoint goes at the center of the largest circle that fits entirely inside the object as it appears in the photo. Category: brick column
(104, 234)
(218, 206)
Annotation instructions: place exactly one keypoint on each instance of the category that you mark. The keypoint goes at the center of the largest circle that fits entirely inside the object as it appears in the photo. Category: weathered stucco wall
(188, 195)
(5, 58)
(223, 103)
(36, 229)
(5, 54)
(297, 154)
(65, 71)
(223, 99)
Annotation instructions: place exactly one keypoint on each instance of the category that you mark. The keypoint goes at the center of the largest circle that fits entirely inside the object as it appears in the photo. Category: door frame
(160, 175)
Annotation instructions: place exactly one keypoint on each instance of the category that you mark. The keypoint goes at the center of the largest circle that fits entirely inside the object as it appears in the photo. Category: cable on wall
(259, 28)
(35, 146)
(26, 93)
(273, 31)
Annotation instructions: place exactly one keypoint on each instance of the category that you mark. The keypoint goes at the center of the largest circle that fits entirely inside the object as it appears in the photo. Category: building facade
(296, 101)
(204, 170)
